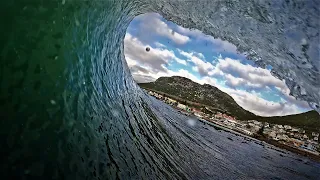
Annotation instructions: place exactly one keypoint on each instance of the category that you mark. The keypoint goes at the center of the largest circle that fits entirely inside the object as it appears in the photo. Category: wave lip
(70, 108)
(283, 34)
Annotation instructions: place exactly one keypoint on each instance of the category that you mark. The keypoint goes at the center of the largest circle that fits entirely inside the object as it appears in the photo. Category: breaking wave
(71, 110)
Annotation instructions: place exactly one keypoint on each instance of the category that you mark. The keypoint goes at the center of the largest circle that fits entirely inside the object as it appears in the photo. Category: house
(182, 106)
(305, 136)
(296, 142)
(309, 146)
(280, 126)
(272, 134)
(287, 127)
(298, 136)
(282, 137)
(198, 115)
(282, 131)
(315, 134)
(275, 138)
(247, 132)
(257, 123)
(170, 101)
(251, 124)
(316, 138)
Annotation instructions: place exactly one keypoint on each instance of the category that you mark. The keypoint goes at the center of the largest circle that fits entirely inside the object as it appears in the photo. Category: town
(283, 134)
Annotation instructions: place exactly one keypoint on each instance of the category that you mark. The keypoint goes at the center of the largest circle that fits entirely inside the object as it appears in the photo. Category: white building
(282, 131)
(287, 127)
(247, 132)
(257, 123)
(282, 137)
(182, 106)
(198, 115)
(273, 134)
(280, 126)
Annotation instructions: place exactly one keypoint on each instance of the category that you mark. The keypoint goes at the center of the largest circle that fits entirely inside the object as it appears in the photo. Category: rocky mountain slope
(206, 95)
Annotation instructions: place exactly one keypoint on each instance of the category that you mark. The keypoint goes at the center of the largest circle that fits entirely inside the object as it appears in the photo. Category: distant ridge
(210, 96)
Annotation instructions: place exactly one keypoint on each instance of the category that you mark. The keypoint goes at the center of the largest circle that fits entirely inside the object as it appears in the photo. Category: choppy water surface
(71, 110)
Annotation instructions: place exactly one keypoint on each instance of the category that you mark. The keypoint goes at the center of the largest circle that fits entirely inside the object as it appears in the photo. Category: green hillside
(182, 88)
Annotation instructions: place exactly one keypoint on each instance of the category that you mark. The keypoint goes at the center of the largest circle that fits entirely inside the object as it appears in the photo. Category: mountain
(206, 95)
(310, 121)
(189, 92)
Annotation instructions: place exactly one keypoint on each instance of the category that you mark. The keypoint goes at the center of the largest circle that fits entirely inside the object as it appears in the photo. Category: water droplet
(303, 41)
(191, 122)
(63, 2)
(53, 102)
(77, 22)
(115, 113)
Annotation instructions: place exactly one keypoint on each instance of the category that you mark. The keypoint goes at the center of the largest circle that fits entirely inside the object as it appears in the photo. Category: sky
(178, 51)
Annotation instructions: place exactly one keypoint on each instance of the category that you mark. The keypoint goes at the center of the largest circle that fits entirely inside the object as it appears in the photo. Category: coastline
(257, 138)
(268, 141)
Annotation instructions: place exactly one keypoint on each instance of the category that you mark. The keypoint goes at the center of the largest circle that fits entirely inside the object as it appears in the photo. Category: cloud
(251, 101)
(217, 44)
(152, 23)
(159, 45)
(241, 81)
(156, 59)
(201, 66)
(237, 74)
(148, 66)
(180, 61)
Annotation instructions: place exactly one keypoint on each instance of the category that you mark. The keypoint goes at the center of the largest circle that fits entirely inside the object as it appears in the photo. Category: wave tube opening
(70, 108)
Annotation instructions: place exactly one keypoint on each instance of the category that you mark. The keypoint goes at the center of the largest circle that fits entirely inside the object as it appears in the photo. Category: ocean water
(71, 110)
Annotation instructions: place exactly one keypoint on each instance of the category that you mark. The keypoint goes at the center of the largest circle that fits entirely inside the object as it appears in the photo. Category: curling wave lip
(71, 110)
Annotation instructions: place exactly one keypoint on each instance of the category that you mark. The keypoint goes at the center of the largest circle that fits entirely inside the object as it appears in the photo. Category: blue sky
(190, 53)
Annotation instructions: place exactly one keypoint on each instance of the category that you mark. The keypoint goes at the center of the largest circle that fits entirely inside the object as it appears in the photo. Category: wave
(70, 108)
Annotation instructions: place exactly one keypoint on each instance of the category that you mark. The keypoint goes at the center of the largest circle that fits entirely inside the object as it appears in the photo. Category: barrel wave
(70, 108)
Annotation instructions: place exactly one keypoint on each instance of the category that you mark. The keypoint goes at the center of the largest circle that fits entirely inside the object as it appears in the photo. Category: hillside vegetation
(185, 90)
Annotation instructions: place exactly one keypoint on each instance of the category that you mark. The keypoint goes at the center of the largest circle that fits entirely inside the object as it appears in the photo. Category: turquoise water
(71, 110)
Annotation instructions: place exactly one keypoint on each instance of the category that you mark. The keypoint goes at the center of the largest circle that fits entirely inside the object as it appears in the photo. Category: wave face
(71, 110)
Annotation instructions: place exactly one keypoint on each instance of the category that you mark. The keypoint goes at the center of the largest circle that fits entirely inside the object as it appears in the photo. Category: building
(182, 106)
(315, 134)
(257, 123)
(272, 134)
(287, 127)
(309, 146)
(280, 126)
(296, 142)
(298, 136)
(247, 132)
(295, 129)
(282, 131)
(198, 115)
(282, 137)
(170, 101)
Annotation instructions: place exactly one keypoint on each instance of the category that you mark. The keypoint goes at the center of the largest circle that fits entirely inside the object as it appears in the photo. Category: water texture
(71, 110)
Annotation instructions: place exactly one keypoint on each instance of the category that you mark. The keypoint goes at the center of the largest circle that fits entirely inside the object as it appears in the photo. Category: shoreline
(268, 141)
(262, 140)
